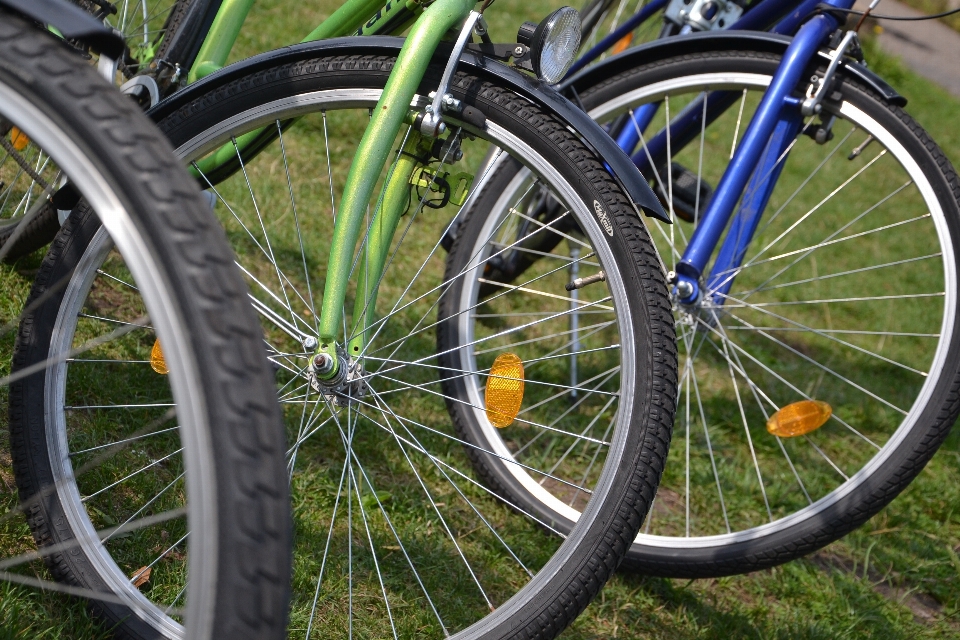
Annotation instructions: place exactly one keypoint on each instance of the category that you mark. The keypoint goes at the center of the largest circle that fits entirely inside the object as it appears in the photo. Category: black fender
(71, 21)
(544, 96)
(759, 41)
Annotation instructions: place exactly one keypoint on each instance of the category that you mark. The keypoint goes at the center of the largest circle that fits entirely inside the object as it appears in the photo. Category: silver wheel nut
(323, 363)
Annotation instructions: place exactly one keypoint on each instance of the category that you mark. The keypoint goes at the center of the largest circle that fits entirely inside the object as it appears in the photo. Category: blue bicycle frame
(759, 158)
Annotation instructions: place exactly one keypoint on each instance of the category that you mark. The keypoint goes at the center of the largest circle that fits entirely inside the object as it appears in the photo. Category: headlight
(553, 44)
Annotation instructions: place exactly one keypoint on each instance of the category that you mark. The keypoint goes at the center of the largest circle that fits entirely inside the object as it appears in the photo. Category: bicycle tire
(182, 266)
(863, 481)
(568, 575)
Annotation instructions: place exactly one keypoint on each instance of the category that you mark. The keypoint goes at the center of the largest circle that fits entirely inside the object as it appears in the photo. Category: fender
(72, 22)
(544, 96)
(759, 41)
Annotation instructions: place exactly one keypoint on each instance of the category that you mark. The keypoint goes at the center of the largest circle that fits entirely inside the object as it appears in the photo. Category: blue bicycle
(813, 259)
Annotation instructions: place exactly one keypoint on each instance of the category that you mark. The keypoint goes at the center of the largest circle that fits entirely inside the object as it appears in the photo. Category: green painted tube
(347, 19)
(374, 150)
(220, 38)
(395, 197)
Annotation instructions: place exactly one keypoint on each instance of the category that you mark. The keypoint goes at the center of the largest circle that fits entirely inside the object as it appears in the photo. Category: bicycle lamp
(553, 43)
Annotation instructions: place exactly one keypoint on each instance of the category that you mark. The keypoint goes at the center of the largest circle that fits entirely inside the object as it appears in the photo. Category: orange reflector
(799, 418)
(157, 363)
(621, 44)
(19, 139)
(504, 390)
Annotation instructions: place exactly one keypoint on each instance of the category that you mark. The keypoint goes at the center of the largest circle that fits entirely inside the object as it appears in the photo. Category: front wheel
(846, 296)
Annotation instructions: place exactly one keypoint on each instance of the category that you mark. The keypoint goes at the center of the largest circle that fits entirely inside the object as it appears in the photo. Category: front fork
(372, 154)
(757, 161)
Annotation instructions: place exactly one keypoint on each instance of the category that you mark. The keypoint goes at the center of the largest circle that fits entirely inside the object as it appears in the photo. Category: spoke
(135, 324)
(826, 457)
(810, 177)
(746, 429)
(476, 447)
(418, 446)
(433, 504)
(803, 217)
(736, 131)
(131, 475)
(599, 326)
(118, 406)
(116, 279)
(828, 243)
(296, 219)
(803, 327)
(373, 550)
(786, 382)
(326, 548)
(263, 228)
(119, 442)
(833, 235)
(851, 272)
(706, 433)
(518, 419)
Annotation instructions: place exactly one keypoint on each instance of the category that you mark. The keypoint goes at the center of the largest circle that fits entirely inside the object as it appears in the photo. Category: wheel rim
(680, 530)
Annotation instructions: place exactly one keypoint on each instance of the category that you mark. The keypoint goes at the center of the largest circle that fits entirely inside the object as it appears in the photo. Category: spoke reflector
(19, 139)
(622, 44)
(157, 363)
(504, 390)
(799, 418)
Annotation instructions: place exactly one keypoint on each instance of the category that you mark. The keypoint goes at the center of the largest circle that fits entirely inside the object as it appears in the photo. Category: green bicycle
(336, 168)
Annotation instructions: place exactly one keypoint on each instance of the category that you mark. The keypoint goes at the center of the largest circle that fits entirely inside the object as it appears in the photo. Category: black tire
(232, 440)
(904, 444)
(568, 574)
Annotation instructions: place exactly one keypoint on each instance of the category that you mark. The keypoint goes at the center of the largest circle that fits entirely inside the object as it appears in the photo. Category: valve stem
(580, 283)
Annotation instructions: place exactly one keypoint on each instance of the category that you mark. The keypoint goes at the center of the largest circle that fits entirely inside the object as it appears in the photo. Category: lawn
(899, 576)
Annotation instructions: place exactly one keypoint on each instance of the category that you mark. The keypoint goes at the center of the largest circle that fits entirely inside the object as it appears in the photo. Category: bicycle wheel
(847, 295)
(215, 434)
(395, 536)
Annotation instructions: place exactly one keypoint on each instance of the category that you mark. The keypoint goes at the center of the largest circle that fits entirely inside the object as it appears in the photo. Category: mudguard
(72, 22)
(713, 41)
(548, 99)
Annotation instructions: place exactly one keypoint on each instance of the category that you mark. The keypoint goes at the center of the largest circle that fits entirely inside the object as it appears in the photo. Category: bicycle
(389, 517)
(818, 340)
(191, 298)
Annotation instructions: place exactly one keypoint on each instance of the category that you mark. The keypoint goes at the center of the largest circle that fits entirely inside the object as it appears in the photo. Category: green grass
(898, 577)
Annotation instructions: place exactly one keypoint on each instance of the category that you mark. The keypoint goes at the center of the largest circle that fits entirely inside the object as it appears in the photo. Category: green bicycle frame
(357, 17)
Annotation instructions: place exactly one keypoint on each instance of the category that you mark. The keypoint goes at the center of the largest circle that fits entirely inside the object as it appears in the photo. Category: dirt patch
(924, 607)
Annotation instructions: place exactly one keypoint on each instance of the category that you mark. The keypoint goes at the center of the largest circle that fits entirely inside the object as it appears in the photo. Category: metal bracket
(703, 15)
(107, 67)
(431, 124)
(811, 104)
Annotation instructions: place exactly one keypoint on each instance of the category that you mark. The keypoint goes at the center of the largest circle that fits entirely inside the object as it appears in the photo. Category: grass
(896, 577)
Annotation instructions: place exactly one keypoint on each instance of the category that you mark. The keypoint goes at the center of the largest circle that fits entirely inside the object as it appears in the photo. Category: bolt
(309, 343)
(671, 277)
(684, 289)
(518, 51)
(323, 363)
